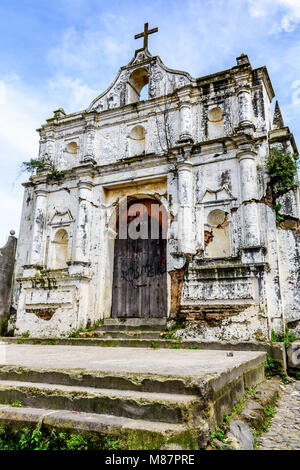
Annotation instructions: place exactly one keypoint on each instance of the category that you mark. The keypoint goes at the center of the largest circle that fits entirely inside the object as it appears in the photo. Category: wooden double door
(140, 273)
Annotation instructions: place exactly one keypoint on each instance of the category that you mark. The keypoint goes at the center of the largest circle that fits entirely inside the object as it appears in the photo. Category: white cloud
(11, 206)
(74, 94)
(79, 52)
(19, 117)
(296, 93)
(284, 14)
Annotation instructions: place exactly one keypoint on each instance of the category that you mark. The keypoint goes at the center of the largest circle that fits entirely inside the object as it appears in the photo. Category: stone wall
(7, 261)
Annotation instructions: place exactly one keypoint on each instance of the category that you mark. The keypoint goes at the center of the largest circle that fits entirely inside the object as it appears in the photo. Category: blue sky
(63, 53)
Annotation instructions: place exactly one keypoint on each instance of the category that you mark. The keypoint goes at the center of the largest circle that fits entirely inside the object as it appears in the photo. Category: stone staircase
(144, 398)
(130, 329)
(142, 411)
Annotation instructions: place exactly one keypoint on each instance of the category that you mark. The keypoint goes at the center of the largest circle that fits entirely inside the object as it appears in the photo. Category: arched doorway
(140, 274)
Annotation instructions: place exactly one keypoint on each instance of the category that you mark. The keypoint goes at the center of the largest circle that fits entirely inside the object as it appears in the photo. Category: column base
(185, 139)
(79, 268)
(253, 254)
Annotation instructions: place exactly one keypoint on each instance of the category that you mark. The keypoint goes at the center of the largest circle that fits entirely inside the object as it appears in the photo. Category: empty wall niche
(137, 141)
(215, 124)
(72, 148)
(59, 250)
(137, 81)
(216, 234)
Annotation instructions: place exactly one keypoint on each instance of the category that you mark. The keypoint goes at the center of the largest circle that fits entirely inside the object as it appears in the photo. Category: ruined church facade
(197, 149)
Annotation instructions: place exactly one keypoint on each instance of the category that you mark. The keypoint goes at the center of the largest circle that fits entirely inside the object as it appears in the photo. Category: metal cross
(145, 34)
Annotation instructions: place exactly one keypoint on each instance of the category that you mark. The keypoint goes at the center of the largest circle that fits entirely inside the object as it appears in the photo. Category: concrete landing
(186, 392)
(154, 361)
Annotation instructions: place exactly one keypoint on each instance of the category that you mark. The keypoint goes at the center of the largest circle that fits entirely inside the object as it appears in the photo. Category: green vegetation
(282, 169)
(17, 404)
(287, 338)
(44, 279)
(34, 165)
(154, 345)
(272, 367)
(297, 376)
(37, 439)
(269, 414)
(170, 334)
(25, 334)
(277, 208)
(50, 342)
(285, 379)
(255, 435)
(221, 431)
(76, 334)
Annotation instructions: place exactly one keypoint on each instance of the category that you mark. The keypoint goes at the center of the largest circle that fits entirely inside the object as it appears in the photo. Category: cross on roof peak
(145, 34)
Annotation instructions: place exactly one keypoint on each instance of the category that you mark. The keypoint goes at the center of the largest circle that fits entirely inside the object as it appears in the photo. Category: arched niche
(72, 148)
(59, 250)
(137, 80)
(216, 234)
(215, 123)
(137, 141)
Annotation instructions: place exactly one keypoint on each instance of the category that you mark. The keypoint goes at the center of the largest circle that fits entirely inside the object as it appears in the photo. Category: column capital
(41, 190)
(243, 154)
(185, 165)
(184, 103)
(184, 94)
(90, 119)
(243, 89)
(85, 184)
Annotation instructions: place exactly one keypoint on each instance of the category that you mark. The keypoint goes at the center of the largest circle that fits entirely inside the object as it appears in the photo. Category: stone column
(90, 137)
(186, 237)
(82, 239)
(249, 193)
(37, 249)
(185, 121)
(244, 107)
(185, 130)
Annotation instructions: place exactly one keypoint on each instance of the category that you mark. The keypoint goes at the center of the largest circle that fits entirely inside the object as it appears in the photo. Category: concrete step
(134, 434)
(127, 327)
(108, 342)
(276, 350)
(123, 334)
(162, 407)
(140, 323)
(137, 382)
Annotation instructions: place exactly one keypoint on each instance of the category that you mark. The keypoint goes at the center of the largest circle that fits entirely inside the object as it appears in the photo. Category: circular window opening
(215, 114)
(72, 148)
